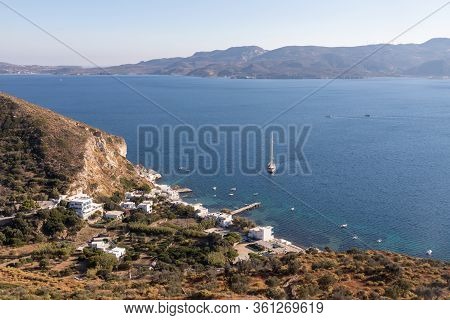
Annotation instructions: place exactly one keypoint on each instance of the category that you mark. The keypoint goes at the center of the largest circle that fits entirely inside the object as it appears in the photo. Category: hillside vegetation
(43, 154)
(170, 254)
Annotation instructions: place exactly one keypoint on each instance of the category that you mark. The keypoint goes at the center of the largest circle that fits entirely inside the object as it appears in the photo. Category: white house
(225, 220)
(117, 251)
(99, 245)
(104, 244)
(128, 205)
(84, 206)
(114, 215)
(200, 210)
(261, 233)
(133, 194)
(146, 206)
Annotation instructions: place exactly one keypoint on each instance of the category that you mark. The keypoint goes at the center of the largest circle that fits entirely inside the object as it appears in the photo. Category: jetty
(246, 208)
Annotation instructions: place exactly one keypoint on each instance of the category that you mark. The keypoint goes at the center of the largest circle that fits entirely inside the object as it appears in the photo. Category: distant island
(429, 59)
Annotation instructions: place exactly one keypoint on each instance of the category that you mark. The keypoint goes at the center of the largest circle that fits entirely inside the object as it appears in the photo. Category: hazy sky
(114, 32)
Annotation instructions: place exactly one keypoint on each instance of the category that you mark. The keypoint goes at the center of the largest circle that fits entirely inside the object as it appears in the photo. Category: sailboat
(271, 167)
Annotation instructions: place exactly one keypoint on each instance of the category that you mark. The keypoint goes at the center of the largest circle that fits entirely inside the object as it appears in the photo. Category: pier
(246, 208)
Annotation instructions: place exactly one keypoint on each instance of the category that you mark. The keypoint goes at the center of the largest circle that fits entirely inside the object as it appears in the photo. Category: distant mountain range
(429, 59)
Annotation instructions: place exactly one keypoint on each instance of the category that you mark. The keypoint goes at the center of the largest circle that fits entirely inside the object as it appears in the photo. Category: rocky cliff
(43, 154)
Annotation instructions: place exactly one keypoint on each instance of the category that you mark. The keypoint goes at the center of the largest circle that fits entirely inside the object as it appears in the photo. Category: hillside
(43, 154)
(429, 59)
(170, 255)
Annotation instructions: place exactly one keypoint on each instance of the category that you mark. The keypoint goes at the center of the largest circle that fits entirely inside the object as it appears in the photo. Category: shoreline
(152, 176)
(223, 219)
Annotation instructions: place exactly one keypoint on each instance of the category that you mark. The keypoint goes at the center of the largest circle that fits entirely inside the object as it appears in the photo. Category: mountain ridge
(428, 59)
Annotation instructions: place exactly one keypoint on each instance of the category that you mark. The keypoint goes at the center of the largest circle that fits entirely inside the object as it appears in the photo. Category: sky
(116, 31)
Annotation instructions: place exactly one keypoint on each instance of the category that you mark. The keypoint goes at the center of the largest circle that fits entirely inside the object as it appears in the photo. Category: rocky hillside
(43, 154)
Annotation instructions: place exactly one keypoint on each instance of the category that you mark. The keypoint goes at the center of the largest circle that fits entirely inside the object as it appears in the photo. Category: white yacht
(379, 240)
(214, 188)
(233, 189)
(429, 252)
(343, 226)
(271, 167)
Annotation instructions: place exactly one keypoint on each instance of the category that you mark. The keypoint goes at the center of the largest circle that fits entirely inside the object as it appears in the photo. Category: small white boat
(379, 241)
(215, 195)
(255, 194)
(231, 194)
(233, 189)
(292, 209)
(271, 166)
(343, 226)
(429, 252)
(355, 238)
(214, 188)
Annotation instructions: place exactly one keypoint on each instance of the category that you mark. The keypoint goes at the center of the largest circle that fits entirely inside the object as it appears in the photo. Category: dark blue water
(387, 176)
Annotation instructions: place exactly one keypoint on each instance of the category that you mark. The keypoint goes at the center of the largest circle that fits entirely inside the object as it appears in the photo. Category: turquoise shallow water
(387, 176)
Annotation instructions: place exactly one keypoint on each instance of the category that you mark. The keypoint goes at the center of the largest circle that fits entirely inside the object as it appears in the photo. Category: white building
(128, 205)
(200, 210)
(84, 206)
(146, 206)
(104, 244)
(133, 194)
(117, 251)
(225, 220)
(261, 233)
(99, 245)
(114, 215)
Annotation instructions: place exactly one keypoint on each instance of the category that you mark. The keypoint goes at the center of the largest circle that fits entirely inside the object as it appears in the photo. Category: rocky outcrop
(43, 153)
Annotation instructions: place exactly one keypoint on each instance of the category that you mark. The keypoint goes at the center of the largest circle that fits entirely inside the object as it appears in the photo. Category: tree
(293, 266)
(233, 238)
(2, 238)
(100, 260)
(29, 205)
(216, 259)
(60, 219)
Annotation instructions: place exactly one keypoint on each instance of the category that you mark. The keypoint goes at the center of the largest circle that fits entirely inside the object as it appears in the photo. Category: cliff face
(105, 167)
(43, 154)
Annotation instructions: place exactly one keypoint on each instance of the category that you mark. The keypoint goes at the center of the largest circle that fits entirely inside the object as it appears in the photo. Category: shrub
(324, 264)
(326, 281)
(276, 294)
(238, 283)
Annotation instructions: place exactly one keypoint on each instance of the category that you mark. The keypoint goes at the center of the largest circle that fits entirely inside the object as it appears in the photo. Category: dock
(246, 208)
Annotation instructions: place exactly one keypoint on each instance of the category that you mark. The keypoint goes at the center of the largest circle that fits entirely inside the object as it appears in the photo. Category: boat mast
(271, 149)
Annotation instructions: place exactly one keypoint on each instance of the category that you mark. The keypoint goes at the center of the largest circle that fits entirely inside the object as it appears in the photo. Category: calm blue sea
(387, 176)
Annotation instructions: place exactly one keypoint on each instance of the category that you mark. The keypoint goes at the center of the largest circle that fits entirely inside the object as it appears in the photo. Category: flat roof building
(84, 206)
(261, 233)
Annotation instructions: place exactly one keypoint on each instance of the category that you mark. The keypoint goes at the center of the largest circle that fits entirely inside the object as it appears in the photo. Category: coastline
(272, 244)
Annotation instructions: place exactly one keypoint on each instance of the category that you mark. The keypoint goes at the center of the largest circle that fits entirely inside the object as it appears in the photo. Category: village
(259, 239)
